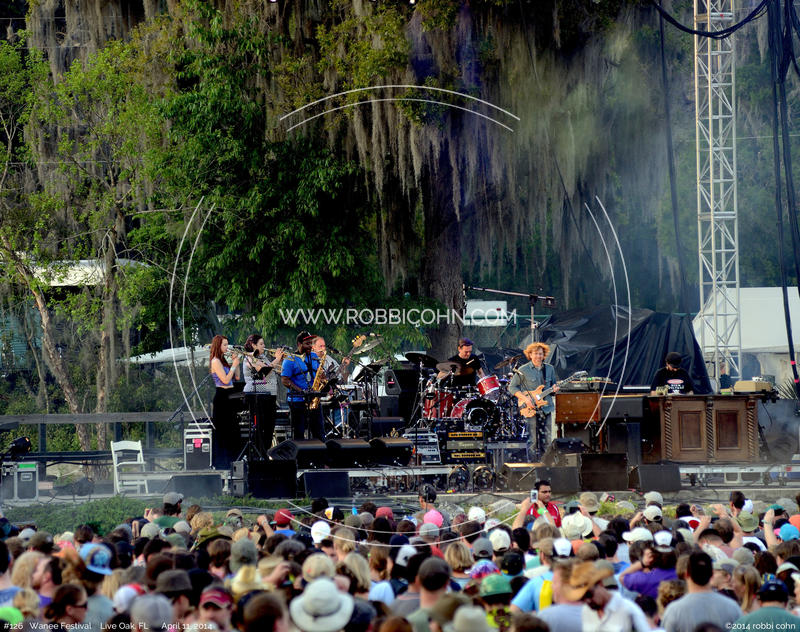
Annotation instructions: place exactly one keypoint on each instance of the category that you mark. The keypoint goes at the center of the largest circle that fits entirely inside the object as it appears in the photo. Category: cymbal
(449, 367)
(508, 361)
(423, 359)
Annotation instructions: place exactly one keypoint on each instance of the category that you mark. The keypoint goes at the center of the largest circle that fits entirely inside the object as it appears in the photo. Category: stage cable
(722, 33)
(673, 186)
(775, 39)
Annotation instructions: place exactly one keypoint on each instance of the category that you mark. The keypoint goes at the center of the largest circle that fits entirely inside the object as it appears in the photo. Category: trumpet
(284, 348)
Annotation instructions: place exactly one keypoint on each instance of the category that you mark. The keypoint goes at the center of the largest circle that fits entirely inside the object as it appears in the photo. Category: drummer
(469, 370)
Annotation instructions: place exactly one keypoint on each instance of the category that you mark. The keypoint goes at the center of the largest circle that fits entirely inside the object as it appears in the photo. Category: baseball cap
(639, 534)
(173, 581)
(495, 584)
(589, 502)
(172, 498)
(747, 521)
(97, 558)
(428, 530)
(663, 538)
(217, 596)
(283, 517)
(320, 530)
(654, 497)
(150, 530)
(384, 512)
(725, 564)
(477, 514)
(788, 532)
(491, 523)
(405, 553)
(434, 517)
(652, 513)
(773, 590)
(482, 549)
(562, 547)
(26, 534)
(500, 540)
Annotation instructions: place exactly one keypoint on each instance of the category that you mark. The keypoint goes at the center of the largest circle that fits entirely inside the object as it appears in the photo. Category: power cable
(722, 33)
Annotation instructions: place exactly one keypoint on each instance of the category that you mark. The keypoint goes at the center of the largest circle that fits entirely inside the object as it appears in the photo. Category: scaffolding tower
(717, 216)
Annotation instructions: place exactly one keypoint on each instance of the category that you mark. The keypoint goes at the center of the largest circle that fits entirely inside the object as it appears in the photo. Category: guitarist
(527, 378)
(297, 375)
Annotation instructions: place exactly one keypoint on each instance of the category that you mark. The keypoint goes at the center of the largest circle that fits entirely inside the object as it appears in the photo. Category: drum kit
(487, 405)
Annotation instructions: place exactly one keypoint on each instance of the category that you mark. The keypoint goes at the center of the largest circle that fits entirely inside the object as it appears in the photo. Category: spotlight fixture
(19, 447)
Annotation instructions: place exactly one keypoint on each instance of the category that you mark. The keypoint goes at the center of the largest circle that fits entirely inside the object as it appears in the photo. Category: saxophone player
(297, 375)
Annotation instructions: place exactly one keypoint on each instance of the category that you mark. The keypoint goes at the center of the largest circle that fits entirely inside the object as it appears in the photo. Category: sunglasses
(85, 604)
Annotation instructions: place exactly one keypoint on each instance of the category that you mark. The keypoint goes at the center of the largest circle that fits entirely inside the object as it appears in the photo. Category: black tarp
(583, 340)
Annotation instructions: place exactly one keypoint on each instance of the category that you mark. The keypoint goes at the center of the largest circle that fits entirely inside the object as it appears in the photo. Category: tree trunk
(55, 361)
(441, 262)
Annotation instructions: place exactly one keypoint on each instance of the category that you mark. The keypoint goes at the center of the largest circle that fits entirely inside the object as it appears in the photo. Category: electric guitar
(531, 401)
(357, 342)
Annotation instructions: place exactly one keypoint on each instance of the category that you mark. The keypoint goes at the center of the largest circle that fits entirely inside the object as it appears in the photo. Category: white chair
(129, 467)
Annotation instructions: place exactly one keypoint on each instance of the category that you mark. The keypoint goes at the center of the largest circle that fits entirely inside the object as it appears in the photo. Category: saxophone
(319, 382)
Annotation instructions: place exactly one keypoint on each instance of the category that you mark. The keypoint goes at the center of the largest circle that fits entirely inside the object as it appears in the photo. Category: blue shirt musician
(526, 379)
(297, 375)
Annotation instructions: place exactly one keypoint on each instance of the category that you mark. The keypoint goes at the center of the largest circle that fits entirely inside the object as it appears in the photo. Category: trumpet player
(226, 428)
(261, 386)
(297, 374)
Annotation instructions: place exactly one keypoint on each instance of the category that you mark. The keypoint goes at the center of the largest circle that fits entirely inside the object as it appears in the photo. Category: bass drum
(479, 413)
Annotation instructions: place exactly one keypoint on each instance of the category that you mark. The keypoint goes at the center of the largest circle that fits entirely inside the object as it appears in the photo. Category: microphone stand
(547, 301)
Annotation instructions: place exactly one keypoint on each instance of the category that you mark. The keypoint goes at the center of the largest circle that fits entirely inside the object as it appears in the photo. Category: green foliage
(438, 14)
(364, 50)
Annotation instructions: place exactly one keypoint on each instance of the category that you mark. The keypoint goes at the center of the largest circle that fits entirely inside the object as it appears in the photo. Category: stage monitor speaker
(563, 480)
(656, 478)
(626, 437)
(326, 484)
(195, 484)
(391, 451)
(383, 426)
(389, 406)
(558, 450)
(349, 453)
(519, 477)
(623, 407)
(307, 454)
(398, 381)
(272, 479)
(238, 470)
(604, 472)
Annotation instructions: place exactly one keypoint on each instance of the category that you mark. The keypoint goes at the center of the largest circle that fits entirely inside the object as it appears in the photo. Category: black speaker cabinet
(656, 478)
(563, 480)
(308, 454)
(272, 479)
(195, 484)
(391, 451)
(626, 437)
(349, 453)
(326, 484)
(604, 472)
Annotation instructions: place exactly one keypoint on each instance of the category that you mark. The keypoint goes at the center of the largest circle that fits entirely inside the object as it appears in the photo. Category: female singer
(226, 426)
(260, 378)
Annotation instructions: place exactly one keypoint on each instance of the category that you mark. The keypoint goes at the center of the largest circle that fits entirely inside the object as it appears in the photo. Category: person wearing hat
(284, 522)
(442, 613)
(176, 586)
(297, 374)
(589, 501)
(171, 511)
(216, 608)
(321, 608)
(602, 609)
(700, 604)
(772, 615)
(673, 377)
(434, 582)
(96, 566)
(495, 591)
(748, 523)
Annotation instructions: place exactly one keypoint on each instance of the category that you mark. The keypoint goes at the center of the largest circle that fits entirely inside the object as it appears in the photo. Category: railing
(12, 422)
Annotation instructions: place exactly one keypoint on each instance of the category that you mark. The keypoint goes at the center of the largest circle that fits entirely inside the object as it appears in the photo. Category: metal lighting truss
(717, 216)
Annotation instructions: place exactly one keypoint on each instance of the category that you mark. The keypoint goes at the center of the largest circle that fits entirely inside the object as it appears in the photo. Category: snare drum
(438, 404)
(489, 387)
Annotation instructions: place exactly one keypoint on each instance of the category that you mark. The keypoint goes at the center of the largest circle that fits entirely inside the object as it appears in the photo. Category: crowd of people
(549, 566)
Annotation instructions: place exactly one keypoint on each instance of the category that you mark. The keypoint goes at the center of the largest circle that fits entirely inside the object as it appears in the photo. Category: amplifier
(197, 446)
(425, 445)
(468, 456)
(463, 445)
(752, 386)
(20, 481)
(467, 434)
